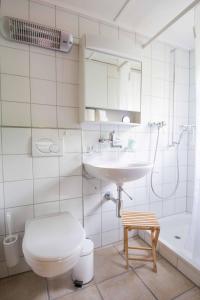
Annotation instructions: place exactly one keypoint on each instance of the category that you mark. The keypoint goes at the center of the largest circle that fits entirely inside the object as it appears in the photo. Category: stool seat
(139, 220)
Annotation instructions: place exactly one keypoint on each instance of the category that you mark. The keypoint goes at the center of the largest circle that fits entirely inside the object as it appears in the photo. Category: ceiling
(146, 17)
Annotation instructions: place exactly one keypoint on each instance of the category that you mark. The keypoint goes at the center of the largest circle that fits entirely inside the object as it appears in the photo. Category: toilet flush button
(54, 148)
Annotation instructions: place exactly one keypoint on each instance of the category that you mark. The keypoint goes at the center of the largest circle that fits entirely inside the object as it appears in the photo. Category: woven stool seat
(135, 220)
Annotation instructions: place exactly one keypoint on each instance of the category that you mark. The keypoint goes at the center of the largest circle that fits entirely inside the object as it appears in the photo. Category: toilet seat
(52, 244)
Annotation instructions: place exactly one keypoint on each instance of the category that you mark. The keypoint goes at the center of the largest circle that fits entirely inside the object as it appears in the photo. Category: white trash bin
(83, 272)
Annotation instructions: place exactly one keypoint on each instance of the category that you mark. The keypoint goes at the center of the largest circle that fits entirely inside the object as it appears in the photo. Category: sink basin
(116, 169)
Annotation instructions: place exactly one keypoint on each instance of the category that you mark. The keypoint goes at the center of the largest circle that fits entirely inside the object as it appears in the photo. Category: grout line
(47, 289)
(96, 285)
(31, 120)
(182, 294)
(145, 285)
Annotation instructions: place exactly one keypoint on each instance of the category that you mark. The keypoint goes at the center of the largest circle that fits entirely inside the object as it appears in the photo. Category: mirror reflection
(112, 82)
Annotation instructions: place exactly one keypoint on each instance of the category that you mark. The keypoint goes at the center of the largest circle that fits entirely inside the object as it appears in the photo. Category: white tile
(109, 221)
(91, 140)
(44, 133)
(109, 31)
(71, 164)
(93, 224)
(1, 196)
(74, 206)
(72, 140)
(146, 66)
(91, 186)
(67, 117)
(168, 207)
(181, 92)
(182, 75)
(92, 204)
(181, 191)
(158, 69)
(158, 51)
(110, 237)
(42, 66)
(16, 114)
(180, 205)
(20, 91)
(88, 26)
(70, 187)
(2, 224)
(157, 88)
(156, 207)
(43, 116)
(182, 58)
(18, 9)
(20, 215)
(67, 94)
(66, 21)
(18, 193)
(46, 190)
(16, 140)
(1, 168)
(3, 270)
(21, 267)
(66, 70)
(45, 167)
(43, 92)
(42, 14)
(17, 167)
(46, 208)
(14, 61)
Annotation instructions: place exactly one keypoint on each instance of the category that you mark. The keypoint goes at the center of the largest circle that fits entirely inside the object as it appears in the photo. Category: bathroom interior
(99, 122)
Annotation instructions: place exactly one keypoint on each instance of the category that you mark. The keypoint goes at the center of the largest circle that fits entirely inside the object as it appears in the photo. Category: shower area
(179, 239)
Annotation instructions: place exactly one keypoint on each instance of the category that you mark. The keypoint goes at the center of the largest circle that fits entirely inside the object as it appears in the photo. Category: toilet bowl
(52, 244)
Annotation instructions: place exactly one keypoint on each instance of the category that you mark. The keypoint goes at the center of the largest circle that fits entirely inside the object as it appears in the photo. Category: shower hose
(177, 144)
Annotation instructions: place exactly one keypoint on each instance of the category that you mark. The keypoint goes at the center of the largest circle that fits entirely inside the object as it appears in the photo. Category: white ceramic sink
(118, 169)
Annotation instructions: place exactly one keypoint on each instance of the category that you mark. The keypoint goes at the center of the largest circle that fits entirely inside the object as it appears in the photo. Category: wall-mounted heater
(23, 31)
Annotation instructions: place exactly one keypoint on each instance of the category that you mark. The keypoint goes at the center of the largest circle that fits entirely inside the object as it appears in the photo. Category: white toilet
(52, 244)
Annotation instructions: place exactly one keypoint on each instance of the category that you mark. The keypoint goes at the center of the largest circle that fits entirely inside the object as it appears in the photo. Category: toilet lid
(53, 237)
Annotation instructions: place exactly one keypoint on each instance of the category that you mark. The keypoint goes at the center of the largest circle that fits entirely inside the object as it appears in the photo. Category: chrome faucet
(115, 142)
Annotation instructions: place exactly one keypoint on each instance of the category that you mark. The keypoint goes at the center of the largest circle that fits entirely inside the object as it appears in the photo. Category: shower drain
(177, 237)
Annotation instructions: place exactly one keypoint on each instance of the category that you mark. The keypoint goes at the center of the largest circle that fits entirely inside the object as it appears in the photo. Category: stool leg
(126, 245)
(124, 240)
(157, 235)
(153, 240)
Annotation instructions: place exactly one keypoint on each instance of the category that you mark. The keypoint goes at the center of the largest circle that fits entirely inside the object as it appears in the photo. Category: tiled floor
(112, 281)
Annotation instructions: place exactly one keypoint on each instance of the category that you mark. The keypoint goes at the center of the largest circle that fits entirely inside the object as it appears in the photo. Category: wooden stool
(140, 221)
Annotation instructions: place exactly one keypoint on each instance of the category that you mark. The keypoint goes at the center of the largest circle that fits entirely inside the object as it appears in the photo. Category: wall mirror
(111, 83)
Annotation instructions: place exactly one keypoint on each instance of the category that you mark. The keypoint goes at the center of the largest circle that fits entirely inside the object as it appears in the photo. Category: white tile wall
(45, 167)
(18, 193)
(46, 190)
(16, 114)
(14, 61)
(17, 167)
(39, 88)
(43, 91)
(42, 14)
(42, 66)
(20, 91)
